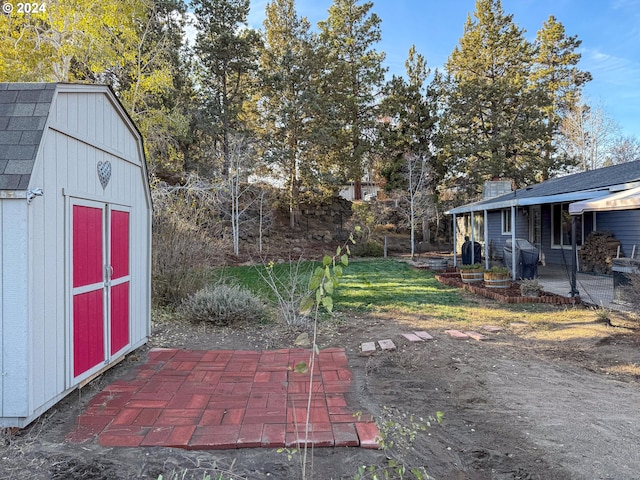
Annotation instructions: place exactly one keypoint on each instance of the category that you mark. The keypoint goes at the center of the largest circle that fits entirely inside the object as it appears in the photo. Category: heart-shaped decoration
(104, 173)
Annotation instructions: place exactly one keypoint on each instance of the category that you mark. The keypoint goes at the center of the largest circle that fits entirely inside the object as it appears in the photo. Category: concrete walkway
(223, 399)
(596, 290)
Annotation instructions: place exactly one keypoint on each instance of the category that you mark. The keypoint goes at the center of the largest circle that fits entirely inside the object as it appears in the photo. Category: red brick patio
(220, 399)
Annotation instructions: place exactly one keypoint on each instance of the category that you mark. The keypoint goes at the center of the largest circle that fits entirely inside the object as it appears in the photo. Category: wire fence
(596, 289)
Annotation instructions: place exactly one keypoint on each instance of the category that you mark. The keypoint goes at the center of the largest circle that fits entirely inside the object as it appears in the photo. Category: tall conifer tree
(491, 123)
(556, 74)
(227, 52)
(286, 72)
(352, 81)
(408, 117)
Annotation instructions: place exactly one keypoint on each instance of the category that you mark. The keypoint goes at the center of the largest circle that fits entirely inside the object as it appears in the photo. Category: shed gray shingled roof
(24, 108)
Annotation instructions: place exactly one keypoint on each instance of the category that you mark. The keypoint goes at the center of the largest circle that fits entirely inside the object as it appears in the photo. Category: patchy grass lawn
(390, 288)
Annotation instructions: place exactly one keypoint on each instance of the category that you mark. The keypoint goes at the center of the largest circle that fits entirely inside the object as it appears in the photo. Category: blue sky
(609, 30)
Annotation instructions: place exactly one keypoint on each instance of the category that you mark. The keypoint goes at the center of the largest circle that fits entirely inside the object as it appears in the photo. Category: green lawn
(392, 285)
(394, 289)
(368, 285)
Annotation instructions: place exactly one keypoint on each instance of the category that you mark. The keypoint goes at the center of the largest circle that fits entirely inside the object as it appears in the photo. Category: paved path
(228, 399)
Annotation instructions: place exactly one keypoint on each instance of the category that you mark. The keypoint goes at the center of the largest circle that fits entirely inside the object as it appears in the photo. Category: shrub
(474, 267)
(222, 305)
(179, 263)
(369, 248)
(186, 240)
(530, 287)
(289, 285)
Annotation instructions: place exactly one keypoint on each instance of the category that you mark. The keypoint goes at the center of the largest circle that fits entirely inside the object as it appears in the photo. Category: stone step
(491, 328)
(412, 337)
(387, 344)
(424, 335)
(367, 348)
(456, 334)
(476, 335)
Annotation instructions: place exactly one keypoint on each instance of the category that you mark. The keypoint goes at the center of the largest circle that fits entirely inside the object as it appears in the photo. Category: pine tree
(407, 141)
(227, 52)
(491, 124)
(352, 81)
(286, 72)
(408, 121)
(555, 72)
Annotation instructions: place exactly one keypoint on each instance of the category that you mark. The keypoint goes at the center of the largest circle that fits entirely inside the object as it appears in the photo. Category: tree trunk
(357, 189)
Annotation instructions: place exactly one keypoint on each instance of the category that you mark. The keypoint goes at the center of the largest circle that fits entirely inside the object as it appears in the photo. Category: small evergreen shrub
(222, 305)
(369, 248)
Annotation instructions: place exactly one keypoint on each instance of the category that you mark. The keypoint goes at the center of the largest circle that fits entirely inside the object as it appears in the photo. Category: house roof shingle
(583, 184)
(24, 108)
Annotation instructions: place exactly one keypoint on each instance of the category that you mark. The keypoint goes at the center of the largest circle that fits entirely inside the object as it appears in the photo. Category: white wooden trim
(13, 194)
(86, 288)
(120, 281)
(92, 143)
(81, 196)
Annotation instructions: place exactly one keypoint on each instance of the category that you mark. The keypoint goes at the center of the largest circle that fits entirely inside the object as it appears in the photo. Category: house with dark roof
(606, 199)
(75, 242)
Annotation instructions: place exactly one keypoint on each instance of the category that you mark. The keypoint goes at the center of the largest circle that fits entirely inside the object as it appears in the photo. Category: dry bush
(180, 260)
(631, 292)
(187, 239)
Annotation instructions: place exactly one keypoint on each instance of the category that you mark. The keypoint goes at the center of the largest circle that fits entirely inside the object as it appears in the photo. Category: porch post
(486, 239)
(514, 267)
(473, 237)
(455, 246)
(574, 252)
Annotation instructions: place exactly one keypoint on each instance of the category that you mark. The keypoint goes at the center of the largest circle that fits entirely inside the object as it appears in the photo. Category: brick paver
(412, 337)
(424, 335)
(367, 348)
(224, 399)
(456, 334)
(387, 344)
(476, 335)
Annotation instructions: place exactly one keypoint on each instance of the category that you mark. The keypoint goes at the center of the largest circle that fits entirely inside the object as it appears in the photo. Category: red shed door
(119, 282)
(88, 288)
(101, 277)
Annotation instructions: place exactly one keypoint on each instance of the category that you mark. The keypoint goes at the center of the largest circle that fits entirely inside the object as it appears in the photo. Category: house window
(506, 221)
(561, 226)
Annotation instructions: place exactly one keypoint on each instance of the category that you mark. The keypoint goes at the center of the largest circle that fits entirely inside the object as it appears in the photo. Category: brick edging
(452, 280)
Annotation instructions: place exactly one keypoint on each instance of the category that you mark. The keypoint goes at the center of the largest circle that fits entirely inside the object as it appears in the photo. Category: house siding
(625, 227)
(497, 240)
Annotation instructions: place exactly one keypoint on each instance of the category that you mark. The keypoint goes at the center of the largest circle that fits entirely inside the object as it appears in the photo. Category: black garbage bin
(466, 252)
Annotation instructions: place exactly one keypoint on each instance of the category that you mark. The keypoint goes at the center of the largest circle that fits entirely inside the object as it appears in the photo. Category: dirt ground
(515, 407)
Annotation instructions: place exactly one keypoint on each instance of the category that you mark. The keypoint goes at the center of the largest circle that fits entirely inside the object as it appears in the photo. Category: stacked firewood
(598, 252)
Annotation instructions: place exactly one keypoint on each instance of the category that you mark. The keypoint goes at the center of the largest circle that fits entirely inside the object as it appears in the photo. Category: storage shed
(75, 242)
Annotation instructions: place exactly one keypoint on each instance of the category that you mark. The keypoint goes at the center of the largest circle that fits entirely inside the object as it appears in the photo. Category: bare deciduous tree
(587, 135)
(624, 150)
(416, 198)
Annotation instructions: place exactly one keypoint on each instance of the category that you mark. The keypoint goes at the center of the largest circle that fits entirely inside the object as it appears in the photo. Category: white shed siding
(47, 275)
(67, 166)
(14, 310)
